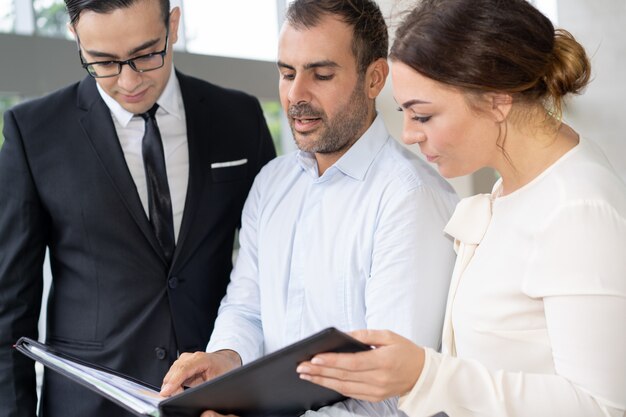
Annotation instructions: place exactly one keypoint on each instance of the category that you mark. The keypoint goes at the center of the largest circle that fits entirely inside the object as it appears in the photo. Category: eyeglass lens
(141, 64)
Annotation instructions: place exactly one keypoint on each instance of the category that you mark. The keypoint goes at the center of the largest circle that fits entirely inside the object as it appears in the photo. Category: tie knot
(150, 113)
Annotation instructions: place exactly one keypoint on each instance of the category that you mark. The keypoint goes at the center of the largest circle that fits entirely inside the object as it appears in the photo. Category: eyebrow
(311, 65)
(145, 45)
(410, 103)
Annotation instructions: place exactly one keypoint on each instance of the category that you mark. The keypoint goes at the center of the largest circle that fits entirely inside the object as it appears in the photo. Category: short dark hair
(370, 39)
(492, 45)
(76, 7)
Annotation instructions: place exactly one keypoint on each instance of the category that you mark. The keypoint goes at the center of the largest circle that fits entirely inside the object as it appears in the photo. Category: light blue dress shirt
(361, 246)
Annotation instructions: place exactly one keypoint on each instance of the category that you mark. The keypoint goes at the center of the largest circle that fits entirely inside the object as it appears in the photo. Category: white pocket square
(229, 163)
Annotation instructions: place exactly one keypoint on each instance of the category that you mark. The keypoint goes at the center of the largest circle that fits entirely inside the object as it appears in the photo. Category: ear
(499, 105)
(71, 28)
(174, 23)
(375, 77)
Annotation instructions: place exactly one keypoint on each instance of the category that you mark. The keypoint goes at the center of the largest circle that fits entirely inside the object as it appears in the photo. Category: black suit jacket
(65, 185)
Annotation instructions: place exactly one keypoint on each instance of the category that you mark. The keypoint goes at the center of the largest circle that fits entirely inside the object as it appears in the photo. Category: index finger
(184, 369)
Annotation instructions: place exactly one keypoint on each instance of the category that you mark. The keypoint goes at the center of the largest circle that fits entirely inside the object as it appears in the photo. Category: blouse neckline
(496, 192)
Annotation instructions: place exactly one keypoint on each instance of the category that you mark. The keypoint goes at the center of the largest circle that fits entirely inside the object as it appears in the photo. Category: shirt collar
(170, 101)
(357, 160)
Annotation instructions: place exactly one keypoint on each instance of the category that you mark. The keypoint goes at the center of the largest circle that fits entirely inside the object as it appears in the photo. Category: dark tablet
(268, 386)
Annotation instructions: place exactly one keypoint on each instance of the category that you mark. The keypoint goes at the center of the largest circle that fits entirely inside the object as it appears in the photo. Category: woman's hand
(391, 369)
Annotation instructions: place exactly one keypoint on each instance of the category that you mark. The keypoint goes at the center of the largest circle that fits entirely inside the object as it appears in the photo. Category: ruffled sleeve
(579, 250)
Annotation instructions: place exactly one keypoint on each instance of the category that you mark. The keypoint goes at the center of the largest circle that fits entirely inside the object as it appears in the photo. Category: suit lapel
(100, 131)
(198, 124)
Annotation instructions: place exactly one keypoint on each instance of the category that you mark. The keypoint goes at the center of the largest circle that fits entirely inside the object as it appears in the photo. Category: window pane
(273, 113)
(6, 101)
(51, 18)
(234, 28)
(7, 16)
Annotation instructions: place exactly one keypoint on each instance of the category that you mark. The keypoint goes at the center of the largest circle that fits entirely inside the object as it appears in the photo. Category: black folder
(268, 386)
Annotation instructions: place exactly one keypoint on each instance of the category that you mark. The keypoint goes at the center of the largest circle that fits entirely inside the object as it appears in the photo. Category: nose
(128, 79)
(299, 91)
(411, 135)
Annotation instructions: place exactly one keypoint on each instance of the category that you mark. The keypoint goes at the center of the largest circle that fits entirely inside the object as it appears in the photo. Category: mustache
(304, 110)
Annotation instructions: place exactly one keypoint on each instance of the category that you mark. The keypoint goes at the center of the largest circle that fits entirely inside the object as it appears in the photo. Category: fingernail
(305, 377)
(317, 361)
(303, 369)
(165, 387)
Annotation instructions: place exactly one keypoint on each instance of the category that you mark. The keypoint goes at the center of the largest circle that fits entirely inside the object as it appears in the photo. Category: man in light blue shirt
(345, 232)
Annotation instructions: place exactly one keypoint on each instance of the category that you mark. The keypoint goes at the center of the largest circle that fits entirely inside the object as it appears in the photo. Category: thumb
(375, 338)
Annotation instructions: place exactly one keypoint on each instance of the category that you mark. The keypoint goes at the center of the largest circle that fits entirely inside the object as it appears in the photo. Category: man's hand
(215, 414)
(191, 369)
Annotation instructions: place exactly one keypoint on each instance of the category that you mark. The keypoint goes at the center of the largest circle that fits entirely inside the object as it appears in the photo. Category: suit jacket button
(173, 282)
(160, 353)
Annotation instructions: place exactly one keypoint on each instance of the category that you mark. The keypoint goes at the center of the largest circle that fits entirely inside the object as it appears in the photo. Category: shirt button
(160, 353)
(173, 282)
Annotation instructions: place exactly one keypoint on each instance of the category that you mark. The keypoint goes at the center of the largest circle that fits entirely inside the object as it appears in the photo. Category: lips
(306, 121)
(305, 118)
(304, 125)
(135, 98)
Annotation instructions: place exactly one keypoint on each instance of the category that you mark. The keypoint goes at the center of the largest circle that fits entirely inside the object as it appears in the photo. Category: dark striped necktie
(159, 201)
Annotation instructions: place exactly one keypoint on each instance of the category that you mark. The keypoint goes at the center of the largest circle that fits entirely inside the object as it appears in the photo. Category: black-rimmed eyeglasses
(141, 63)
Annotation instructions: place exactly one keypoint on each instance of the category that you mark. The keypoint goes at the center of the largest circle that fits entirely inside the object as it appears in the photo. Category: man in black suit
(138, 269)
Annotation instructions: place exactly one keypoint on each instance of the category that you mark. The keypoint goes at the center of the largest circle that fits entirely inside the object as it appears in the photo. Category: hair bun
(569, 70)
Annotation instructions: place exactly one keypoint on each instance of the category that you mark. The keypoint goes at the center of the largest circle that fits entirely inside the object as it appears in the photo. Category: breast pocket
(229, 170)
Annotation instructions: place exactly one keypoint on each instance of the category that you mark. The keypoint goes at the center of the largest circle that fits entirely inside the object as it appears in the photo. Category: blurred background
(233, 43)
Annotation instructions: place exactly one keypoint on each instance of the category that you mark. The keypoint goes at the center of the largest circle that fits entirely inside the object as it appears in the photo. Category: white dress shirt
(361, 246)
(172, 125)
(536, 315)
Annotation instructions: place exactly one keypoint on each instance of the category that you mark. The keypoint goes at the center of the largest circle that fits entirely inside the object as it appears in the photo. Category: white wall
(600, 113)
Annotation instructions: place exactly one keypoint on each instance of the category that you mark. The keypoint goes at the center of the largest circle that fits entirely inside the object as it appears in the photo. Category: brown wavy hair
(493, 46)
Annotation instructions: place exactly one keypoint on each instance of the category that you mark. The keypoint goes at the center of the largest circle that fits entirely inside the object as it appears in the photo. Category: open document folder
(267, 386)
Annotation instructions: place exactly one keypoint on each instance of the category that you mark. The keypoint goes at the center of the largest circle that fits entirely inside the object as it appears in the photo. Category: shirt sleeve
(577, 269)
(406, 292)
(238, 325)
(412, 263)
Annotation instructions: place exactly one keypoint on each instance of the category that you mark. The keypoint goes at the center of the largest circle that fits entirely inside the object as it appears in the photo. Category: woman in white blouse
(536, 317)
